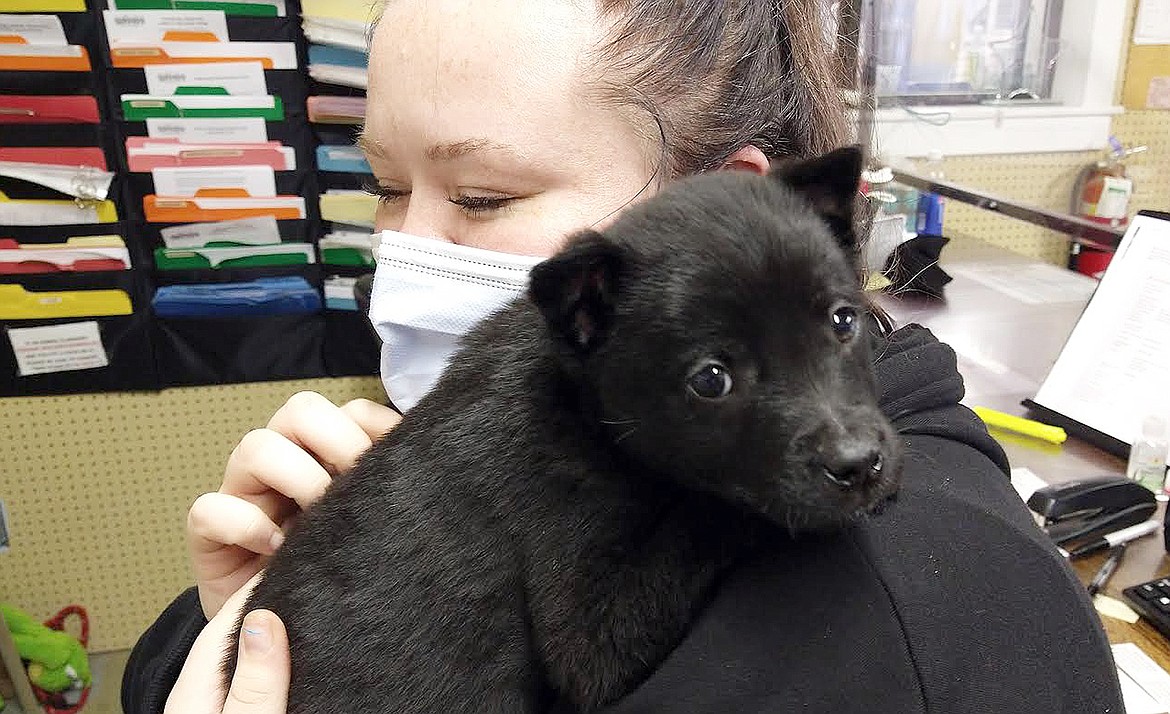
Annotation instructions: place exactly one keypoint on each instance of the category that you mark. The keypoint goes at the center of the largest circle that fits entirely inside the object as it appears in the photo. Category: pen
(1112, 540)
(1021, 425)
(1106, 570)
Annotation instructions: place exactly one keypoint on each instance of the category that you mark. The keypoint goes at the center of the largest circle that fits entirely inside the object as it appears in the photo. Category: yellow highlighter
(1020, 425)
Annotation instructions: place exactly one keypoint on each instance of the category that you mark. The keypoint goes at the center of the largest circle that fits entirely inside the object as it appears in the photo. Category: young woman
(506, 125)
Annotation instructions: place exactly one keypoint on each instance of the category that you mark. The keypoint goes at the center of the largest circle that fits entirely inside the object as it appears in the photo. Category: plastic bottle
(930, 205)
(1147, 457)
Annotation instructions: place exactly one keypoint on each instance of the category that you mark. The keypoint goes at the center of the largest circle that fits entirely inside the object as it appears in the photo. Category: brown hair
(717, 75)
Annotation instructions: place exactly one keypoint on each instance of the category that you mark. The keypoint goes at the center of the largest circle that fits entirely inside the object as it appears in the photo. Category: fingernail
(256, 634)
(276, 540)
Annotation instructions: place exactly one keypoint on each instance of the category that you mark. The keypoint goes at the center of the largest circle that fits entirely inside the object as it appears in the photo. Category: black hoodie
(949, 601)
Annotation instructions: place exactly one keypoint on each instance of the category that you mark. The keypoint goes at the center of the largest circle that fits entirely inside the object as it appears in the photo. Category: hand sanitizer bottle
(1147, 458)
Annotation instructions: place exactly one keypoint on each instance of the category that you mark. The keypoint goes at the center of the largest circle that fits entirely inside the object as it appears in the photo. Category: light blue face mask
(427, 294)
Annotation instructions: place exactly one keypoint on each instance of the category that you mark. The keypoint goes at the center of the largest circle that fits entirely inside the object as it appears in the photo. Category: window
(966, 51)
(984, 76)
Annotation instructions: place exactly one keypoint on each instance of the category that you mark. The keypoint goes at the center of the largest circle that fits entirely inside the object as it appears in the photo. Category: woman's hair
(717, 75)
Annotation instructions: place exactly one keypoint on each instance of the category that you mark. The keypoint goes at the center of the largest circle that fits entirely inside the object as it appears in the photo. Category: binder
(16, 258)
(140, 107)
(43, 6)
(355, 208)
(233, 256)
(16, 303)
(43, 58)
(336, 110)
(49, 109)
(145, 154)
(221, 208)
(89, 156)
(347, 248)
(264, 296)
(260, 8)
(272, 55)
(343, 159)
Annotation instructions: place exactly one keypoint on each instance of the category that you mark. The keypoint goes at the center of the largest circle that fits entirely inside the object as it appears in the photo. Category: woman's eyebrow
(450, 151)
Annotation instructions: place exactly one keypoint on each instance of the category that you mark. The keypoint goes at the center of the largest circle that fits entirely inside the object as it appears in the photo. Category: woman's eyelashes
(475, 206)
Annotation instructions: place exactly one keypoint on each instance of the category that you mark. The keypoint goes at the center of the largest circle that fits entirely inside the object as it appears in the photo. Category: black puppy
(540, 531)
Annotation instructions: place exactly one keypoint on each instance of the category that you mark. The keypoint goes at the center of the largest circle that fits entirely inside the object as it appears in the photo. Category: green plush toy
(57, 661)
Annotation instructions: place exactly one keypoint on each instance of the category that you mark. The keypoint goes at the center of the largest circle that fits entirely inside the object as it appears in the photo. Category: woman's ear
(748, 158)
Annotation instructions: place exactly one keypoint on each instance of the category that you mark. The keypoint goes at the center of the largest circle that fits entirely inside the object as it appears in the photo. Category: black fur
(541, 529)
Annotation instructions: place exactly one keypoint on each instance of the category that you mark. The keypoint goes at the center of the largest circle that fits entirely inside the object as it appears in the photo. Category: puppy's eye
(845, 323)
(711, 381)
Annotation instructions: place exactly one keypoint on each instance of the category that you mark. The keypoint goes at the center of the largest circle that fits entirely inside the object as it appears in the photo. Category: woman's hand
(261, 680)
(272, 475)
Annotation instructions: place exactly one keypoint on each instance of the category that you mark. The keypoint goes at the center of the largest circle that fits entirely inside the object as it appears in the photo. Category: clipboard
(1114, 369)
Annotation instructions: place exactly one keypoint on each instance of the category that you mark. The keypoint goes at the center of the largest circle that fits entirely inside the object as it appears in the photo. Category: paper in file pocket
(145, 154)
(245, 231)
(81, 256)
(350, 34)
(256, 181)
(249, 130)
(271, 55)
(139, 107)
(336, 110)
(337, 65)
(254, 8)
(247, 256)
(55, 213)
(347, 248)
(344, 159)
(340, 293)
(356, 208)
(31, 29)
(234, 78)
(90, 156)
(264, 296)
(43, 58)
(221, 207)
(138, 26)
(36, 109)
(84, 182)
(16, 303)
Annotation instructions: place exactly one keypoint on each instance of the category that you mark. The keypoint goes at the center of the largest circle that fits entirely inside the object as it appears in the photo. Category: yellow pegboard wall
(1044, 180)
(1150, 171)
(98, 486)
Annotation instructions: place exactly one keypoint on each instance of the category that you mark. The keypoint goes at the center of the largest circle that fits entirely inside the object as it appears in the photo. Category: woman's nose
(424, 218)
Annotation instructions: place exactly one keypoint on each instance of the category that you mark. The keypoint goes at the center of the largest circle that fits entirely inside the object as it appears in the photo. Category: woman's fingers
(320, 427)
(261, 681)
(266, 461)
(199, 690)
(374, 419)
(219, 519)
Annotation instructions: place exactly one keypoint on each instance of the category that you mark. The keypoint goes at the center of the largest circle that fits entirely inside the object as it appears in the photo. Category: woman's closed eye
(475, 206)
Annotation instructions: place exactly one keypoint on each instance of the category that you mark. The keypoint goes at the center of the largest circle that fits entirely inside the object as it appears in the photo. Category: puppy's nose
(852, 464)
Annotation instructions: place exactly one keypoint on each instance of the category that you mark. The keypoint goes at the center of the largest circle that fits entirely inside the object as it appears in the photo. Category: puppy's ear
(576, 289)
(830, 182)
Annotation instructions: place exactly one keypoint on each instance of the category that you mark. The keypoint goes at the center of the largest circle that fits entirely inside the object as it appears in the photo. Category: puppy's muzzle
(851, 464)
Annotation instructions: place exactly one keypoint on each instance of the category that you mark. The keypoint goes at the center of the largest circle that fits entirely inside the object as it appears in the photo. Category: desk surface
(1007, 336)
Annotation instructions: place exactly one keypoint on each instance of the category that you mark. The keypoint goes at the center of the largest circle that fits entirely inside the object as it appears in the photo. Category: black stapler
(1080, 510)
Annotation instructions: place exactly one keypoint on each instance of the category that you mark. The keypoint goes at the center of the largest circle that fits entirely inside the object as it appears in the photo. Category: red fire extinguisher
(1101, 194)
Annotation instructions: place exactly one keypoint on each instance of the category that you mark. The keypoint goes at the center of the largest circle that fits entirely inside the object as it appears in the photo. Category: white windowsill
(978, 130)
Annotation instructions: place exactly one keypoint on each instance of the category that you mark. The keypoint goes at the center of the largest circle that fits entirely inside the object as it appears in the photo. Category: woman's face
(481, 131)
